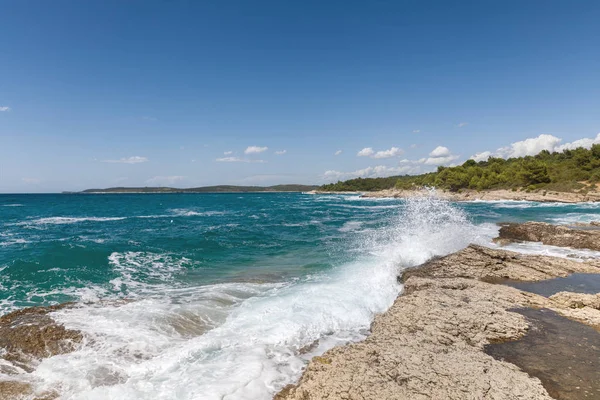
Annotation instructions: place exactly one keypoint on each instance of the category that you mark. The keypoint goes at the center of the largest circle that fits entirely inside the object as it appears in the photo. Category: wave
(12, 205)
(570, 218)
(534, 204)
(182, 212)
(240, 340)
(74, 220)
(14, 241)
(68, 220)
(351, 226)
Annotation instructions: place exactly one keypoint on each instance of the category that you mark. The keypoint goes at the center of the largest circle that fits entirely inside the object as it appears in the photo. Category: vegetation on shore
(206, 189)
(559, 171)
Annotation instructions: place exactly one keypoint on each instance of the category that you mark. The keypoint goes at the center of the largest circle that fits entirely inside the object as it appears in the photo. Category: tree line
(559, 171)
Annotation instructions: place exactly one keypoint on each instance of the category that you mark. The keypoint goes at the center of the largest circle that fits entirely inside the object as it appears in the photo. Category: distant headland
(204, 189)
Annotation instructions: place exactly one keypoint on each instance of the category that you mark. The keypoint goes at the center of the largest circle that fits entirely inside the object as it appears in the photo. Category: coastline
(446, 335)
(473, 195)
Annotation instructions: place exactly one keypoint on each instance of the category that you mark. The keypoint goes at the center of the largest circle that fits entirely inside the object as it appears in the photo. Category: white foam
(68, 220)
(14, 241)
(182, 212)
(12, 205)
(351, 226)
(240, 340)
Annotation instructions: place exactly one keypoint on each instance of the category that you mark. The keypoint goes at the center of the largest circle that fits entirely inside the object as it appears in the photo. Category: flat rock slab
(555, 235)
(484, 263)
(563, 354)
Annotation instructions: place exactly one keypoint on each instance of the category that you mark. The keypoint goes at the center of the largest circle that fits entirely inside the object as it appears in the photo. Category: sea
(225, 296)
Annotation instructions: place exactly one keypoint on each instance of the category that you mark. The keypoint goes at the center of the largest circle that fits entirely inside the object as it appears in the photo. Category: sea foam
(241, 340)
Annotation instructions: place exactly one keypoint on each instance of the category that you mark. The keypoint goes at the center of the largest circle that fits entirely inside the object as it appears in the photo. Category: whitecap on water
(241, 340)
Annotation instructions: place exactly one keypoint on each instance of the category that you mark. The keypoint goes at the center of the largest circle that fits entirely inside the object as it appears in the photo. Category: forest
(564, 171)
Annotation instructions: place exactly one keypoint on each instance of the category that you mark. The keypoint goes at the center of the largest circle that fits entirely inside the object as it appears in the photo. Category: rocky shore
(458, 332)
(463, 328)
(488, 195)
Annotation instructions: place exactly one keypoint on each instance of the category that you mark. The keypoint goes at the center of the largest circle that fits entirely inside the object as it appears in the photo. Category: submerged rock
(555, 235)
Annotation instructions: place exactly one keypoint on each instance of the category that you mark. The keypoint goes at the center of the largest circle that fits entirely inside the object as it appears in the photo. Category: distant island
(204, 189)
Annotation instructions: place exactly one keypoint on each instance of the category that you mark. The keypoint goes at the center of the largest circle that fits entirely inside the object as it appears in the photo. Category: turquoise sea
(226, 295)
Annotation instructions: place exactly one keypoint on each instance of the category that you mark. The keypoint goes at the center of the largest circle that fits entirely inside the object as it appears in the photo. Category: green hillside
(570, 170)
(206, 189)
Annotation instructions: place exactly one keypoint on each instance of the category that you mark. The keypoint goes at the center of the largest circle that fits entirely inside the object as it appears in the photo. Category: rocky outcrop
(26, 336)
(555, 235)
(488, 264)
(30, 334)
(430, 343)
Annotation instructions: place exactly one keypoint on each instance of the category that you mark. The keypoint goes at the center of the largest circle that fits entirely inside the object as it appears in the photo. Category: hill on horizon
(205, 189)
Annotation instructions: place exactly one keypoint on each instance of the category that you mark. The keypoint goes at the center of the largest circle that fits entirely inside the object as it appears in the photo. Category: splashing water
(221, 304)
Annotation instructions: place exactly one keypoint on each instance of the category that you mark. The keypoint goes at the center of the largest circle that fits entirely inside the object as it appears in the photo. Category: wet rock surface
(555, 235)
(26, 336)
(430, 343)
(563, 354)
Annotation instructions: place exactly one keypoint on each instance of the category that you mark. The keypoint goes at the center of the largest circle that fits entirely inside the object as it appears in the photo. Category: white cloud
(439, 156)
(416, 131)
(255, 150)
(128, 160)
(4, 108)
(366, 152)
(369, 152)
(280, 152)
(529, 147)
(237, 159)
(440, 151)
(228, 153)
(371, 172)
(533, 146)
(165, 180)
(337, 153)
(585, 143)
(438, 160)
(483, 156)
(460, 125)
(392, 152)
(413, 146)
(31, 181)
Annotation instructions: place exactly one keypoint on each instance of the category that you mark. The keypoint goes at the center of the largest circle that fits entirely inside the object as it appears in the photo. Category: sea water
(224, 296)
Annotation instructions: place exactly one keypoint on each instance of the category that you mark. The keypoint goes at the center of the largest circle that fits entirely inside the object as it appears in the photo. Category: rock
(29, 334)
(487, 264)
(429, 344)
(577, 300)
(555, 235)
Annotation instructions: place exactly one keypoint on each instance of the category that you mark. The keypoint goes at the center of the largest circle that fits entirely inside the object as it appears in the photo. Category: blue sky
(140, 93)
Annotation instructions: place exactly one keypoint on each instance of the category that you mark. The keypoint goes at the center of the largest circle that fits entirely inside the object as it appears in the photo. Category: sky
(104, 93)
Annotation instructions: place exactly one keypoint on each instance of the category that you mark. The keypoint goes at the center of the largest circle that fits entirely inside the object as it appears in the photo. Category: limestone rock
(488, 264)
(555, 235)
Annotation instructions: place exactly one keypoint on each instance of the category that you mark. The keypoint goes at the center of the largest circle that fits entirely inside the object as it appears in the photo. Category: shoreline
(458, 330)
(458, 319)
(473, 195)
